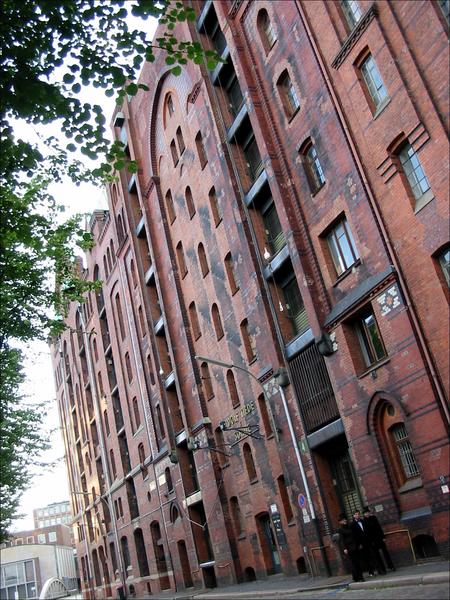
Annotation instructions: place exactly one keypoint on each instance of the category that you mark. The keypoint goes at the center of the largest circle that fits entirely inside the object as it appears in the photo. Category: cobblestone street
(424, 592)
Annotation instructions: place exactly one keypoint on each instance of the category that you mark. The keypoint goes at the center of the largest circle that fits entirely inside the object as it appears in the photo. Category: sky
(51, 484)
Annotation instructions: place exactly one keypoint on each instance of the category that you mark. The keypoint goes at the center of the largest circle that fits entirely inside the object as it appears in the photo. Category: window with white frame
(413, 171)
(373, 81)
(342, 247)
(352, 12)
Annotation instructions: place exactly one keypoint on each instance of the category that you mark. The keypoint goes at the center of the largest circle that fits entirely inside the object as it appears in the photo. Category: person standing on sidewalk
(376, 537)
(349, 547)
(365, 547)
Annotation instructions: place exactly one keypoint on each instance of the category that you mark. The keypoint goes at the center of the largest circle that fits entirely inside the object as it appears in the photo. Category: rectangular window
(52, 536)
(235, 97)
(295, 307)
(272, 229)
(342, 247)
(41, 538)
(253, 158)
(373, 81)
(313, 167)
(413, 171)
(352, 12)
(444, 263)
(405, 451)
(369, 337)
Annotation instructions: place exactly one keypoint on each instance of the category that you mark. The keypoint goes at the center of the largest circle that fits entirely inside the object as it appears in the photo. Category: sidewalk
(282, 587)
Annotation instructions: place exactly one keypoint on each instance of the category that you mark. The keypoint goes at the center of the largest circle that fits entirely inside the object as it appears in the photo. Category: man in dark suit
(376, 537)
(367, 551)
(349, 547)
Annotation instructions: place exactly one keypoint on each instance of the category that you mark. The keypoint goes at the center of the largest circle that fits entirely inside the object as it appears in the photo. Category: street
(438, 591)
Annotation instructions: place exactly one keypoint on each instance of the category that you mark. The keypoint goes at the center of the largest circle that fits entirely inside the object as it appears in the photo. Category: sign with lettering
(277, 525)
(238, 423)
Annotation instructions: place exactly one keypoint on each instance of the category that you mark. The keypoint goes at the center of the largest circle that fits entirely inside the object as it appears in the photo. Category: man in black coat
(349, 547)
(376, 537)
(369, 556)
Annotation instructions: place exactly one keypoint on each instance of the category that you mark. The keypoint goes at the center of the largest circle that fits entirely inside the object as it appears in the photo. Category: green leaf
(176, 70)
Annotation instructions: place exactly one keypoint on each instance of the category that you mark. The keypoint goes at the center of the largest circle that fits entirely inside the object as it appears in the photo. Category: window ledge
(242, 536)
(346, 273)
(374, 367)
(423, 201)
(411, 484)
(291, 523)
(253, 481)
(381, 108)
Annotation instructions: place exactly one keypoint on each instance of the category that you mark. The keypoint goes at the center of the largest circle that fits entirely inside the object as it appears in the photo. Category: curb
(401, 581)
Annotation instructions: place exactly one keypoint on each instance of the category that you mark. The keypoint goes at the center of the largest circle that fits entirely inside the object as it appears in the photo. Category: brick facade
(331, 389)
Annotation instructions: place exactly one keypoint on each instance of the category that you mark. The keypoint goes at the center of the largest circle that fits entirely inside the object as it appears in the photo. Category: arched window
(206, 381)
(181, 259)
(120, 229)
(141, 452)
(217, 321)
(232, 389)
(248, 340)
(108, 256)
(88, 463)
(128, 367)
(170, 106)
(120, 316)
(95, 350)
(189, 202)
(170, 207)
(193, 316)
(105, 267)
(136, 414)
(264, 412)
(249, 463)
(174, 153)
(221, 446)
(313, 168)
(133, 273)
(106, 421)
(396, 445)
(285, 499)
(236, 516)
(231, 275)
(288, 95)
(113, 252)
(113, 464)
(202, 260)
(201, 149)
(174, 513)
(125, 552)
(141, 321)
(266, 30)
(168, 479)
(98, 579)
(180, 140)
(215, 209)
(141, 553)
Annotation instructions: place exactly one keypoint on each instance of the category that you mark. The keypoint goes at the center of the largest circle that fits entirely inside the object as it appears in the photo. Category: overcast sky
(51, 485)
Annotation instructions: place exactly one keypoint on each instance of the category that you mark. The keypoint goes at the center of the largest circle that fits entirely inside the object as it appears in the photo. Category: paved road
(439, 591)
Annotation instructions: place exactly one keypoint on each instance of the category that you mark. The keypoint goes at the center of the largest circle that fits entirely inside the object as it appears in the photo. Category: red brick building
(269, 345)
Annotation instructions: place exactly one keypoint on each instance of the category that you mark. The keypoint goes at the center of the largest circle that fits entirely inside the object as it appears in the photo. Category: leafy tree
(49, 49)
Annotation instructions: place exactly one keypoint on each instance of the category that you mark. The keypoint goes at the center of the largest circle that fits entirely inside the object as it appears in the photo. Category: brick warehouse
(269, 345)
